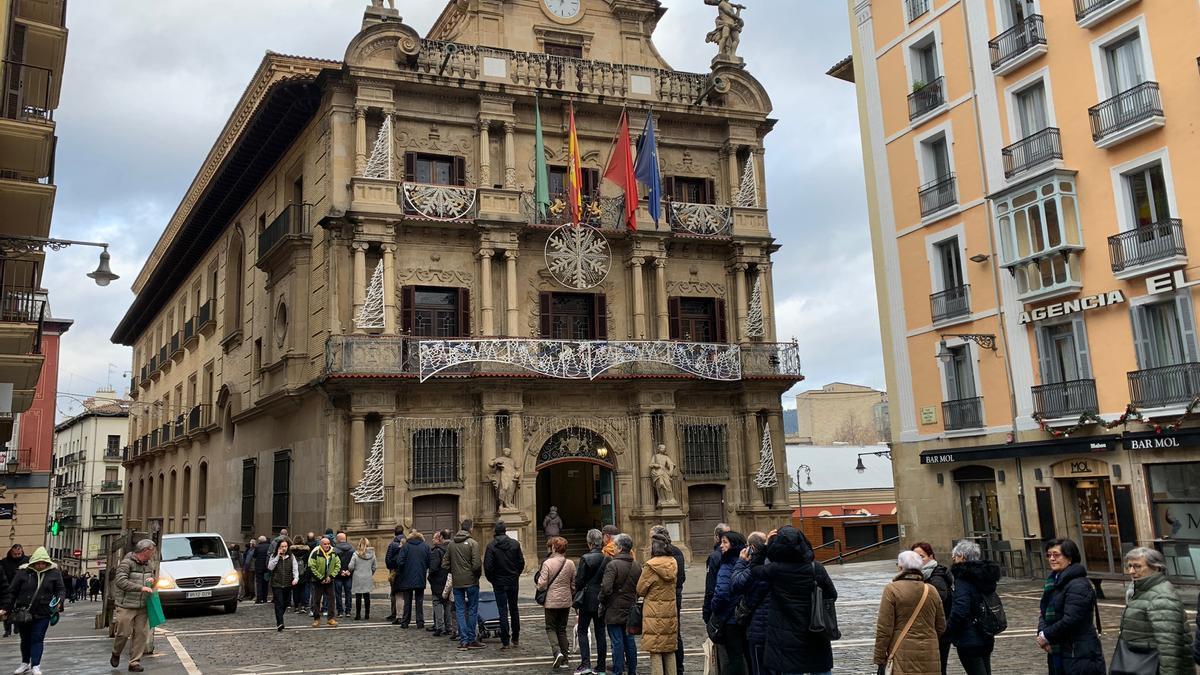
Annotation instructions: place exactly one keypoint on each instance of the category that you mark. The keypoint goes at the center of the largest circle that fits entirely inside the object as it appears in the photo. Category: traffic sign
(77, 553)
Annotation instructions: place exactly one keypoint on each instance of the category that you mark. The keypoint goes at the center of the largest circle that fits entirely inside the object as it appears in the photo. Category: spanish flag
(574, 171)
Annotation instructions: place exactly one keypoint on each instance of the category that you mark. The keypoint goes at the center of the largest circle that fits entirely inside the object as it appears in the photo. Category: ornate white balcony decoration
(578, 256)
(755, 322)
(380, 164)
(702, 219)
(370, 488)
(439, 202)
(370, 315)
(747, 194)
(766, 477)
(581, 360)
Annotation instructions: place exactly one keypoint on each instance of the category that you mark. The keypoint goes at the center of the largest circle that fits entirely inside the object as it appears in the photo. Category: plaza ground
(209, 641)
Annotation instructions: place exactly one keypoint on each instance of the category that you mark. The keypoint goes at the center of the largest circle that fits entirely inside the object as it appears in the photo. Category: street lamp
(103, 275)
(861, 468)
(986, 341)
(799, 490)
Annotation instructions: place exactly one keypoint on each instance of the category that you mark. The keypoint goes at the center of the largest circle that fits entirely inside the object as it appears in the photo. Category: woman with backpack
(1065, 629)
(972, 633)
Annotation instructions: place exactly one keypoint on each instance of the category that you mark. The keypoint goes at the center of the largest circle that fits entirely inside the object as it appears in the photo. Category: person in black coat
(711, 567)
(503, 563)
(1065, 629)
(443, 621)
(938, 576)
(412, 566)
(389, 560)
(38, 587)
(12, 560)
(974, 581)
(262, 554)
(755, 591)
(791, 573)
(589, 572)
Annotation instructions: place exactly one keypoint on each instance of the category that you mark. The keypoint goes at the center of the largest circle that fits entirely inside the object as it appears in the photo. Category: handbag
(633, 625)
(891, 657)
(822, 618)
(22, 615)
(539, 596)
(1133, 659)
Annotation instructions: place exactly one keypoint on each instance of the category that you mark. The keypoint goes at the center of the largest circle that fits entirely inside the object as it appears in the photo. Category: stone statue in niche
(728, 31)
(662, 474)
(506, 478)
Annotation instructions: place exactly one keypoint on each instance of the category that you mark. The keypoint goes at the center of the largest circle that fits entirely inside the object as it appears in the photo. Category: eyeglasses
(1054, 556)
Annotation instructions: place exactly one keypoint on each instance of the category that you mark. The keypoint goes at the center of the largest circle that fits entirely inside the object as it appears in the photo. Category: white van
(195, 569)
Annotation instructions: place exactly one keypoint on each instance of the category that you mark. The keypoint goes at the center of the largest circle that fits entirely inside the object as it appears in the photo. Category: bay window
(1040, 237)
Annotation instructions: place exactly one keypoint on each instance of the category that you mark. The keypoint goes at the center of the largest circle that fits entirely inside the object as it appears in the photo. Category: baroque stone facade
(353, 313)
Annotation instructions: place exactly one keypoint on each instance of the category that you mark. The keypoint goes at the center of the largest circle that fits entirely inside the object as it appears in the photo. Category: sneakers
(559, 660)
(279, 628)
(36, 670)
(583, 669)
(23, 668)
(476, 645)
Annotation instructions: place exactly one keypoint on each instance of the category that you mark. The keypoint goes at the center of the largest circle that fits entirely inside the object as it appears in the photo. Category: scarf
(1051, 615)
(927, 568)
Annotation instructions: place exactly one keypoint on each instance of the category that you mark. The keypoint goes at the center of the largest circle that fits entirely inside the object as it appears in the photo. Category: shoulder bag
(891, 659)
(822, 619)
(539, 596)
(633, 625)
(1130, 659)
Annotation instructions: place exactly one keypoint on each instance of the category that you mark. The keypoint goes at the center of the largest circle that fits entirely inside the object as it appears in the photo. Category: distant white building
(86, 495)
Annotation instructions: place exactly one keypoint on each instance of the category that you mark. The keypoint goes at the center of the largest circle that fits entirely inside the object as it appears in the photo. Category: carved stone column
(644, 495)
(389, 289)
(639, 298)
(487, 310)
(516, 438)
(751, 444)
(485, 153)
(358, 458)
(360, 141)
(739, 278)
(660, 299)
(488, 453)
(768, 302)
(360, 280)
(510, 156)
(728, 154)
(510, 282)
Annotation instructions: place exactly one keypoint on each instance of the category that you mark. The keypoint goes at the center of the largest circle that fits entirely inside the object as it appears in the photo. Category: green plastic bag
(154, 611)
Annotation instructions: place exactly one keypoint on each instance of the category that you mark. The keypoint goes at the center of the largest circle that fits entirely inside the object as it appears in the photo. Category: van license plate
(198, 594)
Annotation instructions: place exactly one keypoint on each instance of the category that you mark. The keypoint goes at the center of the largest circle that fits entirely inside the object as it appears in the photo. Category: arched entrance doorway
(575, 474)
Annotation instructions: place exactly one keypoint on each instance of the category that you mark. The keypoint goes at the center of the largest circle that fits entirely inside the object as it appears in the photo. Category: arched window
(186, 509)
(202, 491)
(235, 270)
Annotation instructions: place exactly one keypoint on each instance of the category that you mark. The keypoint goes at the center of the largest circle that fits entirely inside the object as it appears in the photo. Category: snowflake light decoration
(578, 256)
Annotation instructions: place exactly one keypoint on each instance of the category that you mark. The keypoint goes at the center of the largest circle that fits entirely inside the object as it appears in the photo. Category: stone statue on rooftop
(379, 4)
(728, 31)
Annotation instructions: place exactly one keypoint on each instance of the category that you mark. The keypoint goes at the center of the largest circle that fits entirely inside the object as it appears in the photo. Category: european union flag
(645, 169)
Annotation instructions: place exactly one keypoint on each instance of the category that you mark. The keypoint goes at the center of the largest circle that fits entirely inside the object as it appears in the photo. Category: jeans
(260, 585)
(585, 656)
(624, 650)
(974, 663)
(443, 614)
(731, 656)
(323, 592)
(412, 595)
(362, 601)
(466, 610)
(281, 603)
(341, 593)
(33, 636)
(556, 629)
(506, 605)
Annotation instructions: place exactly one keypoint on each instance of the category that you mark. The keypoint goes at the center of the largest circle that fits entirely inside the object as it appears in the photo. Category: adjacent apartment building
(1026, 164)
(841, 413)
(33, 39)
(87, 494)
(358, 317)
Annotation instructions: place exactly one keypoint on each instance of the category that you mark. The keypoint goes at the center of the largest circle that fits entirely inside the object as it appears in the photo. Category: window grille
(281, 489)
(249, 477)
(705, 450)
(436, 456)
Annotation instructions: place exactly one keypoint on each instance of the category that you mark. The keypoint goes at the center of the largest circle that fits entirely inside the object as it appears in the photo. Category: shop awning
(1061, 446)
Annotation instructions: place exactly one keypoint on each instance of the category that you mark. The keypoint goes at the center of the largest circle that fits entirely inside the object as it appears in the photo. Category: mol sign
(1072, 306)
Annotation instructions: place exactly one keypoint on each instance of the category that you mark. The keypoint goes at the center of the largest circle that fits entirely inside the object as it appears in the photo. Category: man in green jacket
(133, 582)
(466, 566)
(325, 566)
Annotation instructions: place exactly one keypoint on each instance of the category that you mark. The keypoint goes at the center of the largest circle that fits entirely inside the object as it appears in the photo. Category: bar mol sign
(1072, 306)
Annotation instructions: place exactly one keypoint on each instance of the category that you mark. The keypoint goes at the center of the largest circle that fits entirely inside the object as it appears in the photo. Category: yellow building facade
(1025, 164)
(357, 308)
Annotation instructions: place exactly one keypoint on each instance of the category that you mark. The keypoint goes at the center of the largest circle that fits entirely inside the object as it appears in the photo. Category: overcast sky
(149, 84)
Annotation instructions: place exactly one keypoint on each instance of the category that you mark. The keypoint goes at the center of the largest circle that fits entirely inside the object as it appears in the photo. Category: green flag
(541, 183)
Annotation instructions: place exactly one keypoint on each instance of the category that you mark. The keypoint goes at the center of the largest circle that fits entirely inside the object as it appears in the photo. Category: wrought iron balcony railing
(710, 220)
(951, 303)
(603, 213)
(164, 355)
(205, 316)
(937, 194)
(107, 519)
(1169, 385)
(189, 329)
(16, 460)
(1033, 150)
(963, 413)
(292, 221)
(1065, 399)
(115, 453)
(180, 427)
(1147, 244)
(916, 8)
(154, 439)
(1086, 8)
(1017, 40)
(177, 343)
(1126, 109)
(926, 97)
(110, 485)
(585, 359)
(26, 92)
(199, 416)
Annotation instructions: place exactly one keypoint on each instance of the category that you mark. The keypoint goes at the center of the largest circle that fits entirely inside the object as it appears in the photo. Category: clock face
(563, 9)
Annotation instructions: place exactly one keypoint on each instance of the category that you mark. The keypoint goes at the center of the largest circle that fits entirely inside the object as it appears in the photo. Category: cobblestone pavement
(204, 641)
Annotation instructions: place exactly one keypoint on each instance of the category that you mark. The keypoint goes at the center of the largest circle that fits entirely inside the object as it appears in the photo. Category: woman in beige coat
(909, 602)
(557, 577)
(660, 621)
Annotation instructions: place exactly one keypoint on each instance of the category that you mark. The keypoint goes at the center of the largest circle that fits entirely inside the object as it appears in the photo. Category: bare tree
(855, 431)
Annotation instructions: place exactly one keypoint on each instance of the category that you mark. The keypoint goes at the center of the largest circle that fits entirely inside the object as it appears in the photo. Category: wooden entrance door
(435, 512)
(706, 508)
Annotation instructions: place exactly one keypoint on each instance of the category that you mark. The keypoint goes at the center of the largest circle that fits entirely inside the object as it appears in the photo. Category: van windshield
(193, 548)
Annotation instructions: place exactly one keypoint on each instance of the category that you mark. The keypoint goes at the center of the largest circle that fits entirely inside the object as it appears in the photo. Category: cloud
(149, 84)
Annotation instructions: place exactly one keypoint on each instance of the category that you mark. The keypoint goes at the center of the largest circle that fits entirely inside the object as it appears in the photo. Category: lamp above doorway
(984, 340)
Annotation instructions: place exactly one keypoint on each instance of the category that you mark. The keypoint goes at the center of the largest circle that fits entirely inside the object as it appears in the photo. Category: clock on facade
(563, 9)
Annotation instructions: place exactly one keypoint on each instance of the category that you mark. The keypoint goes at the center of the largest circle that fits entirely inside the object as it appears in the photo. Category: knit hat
(500, 527)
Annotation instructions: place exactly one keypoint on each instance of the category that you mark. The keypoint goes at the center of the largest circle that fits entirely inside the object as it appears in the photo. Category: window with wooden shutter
(601, 328)
(434, 169)
(557, 177)
(410, 167)
(281, 489)
(407, 309)
(697, 319)
(544, 314)
(458, 174)
(692, 190)
(573, 316)
(673, 318)
(249, 476)
(432, 311)
(464, 312)
(722, 330)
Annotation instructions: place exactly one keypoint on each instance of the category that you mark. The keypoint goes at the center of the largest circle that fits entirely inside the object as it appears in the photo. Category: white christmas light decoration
(747, 194)
(370, 488)
(370, 315)
(766, 477)
(380, 164)
(755, 324)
